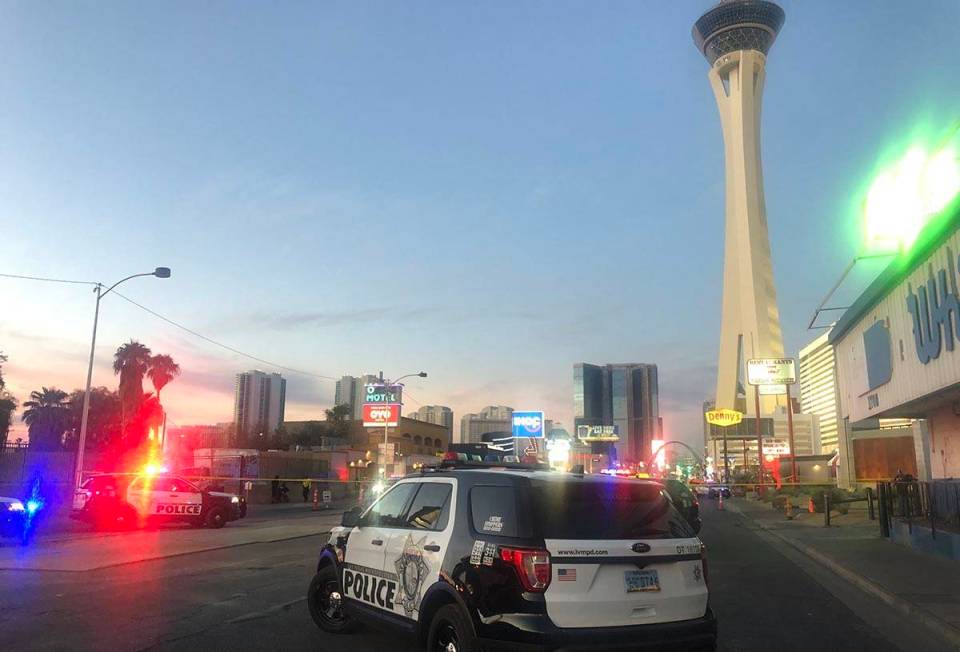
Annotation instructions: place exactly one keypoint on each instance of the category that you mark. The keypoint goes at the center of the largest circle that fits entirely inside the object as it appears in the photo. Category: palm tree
(8, 405)
(103, 419)
(46, 416)
(161, 371)
(131, 362)
(337, 419)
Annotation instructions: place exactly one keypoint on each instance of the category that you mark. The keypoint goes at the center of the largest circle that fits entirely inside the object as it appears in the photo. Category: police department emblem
(697, 573)
(412, 571)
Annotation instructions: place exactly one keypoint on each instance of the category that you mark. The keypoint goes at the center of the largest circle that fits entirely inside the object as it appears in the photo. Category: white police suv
(479, 557)
(112, 500)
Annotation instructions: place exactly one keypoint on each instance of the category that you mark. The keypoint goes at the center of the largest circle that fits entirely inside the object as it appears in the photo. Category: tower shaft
(750, 324)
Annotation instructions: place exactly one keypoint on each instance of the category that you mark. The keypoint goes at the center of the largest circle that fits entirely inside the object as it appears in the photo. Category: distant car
(13, 517)
(718, 490)
(107, 500)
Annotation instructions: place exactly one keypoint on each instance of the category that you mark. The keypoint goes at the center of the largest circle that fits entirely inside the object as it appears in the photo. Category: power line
(183, 328)
(220, 344)
(48, 280)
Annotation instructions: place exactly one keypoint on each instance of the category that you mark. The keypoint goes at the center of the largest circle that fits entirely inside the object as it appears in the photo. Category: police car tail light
(532, 566)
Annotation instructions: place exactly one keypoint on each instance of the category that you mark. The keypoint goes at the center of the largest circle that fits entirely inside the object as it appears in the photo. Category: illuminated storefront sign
(528, 424)
(724, 417)
(379, 393)
(380, 415)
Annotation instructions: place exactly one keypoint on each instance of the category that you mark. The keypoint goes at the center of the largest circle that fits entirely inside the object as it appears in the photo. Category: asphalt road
(251, 597)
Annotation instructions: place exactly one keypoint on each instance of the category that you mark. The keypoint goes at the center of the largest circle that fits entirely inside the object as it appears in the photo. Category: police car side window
(494, 510)
(181, 486)
(390, 509)
(431, 507)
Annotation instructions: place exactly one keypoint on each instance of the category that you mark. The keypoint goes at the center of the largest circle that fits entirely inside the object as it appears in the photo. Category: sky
(490, 192)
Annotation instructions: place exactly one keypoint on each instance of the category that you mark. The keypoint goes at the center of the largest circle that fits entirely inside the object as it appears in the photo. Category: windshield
(606, 510)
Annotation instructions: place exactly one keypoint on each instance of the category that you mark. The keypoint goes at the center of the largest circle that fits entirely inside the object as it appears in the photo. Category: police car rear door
(364, 578)
(415, 551)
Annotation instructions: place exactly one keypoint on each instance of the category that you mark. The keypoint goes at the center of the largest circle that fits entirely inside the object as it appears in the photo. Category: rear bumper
(539, 634)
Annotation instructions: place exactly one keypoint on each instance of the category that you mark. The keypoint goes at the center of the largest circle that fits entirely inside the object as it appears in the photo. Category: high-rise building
(350, 391)
(441, 415)
(819, 393)
(259, 402)
(735, 37)
(491, 419)
(620, 395)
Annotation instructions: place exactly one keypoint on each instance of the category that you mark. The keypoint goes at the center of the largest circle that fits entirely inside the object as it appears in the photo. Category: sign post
(723, 419)
(381, 407)
(774, 372)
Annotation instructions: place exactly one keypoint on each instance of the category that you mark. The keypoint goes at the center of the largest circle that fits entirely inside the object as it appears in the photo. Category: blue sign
(528, 424)
(935, 312)
(876, 348)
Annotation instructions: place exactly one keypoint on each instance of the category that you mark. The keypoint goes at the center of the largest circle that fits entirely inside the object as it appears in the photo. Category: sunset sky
(490, 192)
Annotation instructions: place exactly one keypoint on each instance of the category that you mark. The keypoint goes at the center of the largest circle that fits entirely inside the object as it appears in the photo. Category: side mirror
(351, 518)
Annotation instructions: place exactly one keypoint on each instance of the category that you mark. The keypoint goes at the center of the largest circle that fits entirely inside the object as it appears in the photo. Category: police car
(116, 500)
(13, 516)
(473, 557)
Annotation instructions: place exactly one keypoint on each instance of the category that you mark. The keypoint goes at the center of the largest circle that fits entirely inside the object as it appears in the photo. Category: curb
(905, 607)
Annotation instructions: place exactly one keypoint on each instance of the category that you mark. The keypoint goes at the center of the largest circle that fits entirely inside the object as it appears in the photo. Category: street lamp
(386, 427)
(159, 272)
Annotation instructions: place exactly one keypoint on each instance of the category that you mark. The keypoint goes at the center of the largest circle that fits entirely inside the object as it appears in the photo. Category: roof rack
(451, 465)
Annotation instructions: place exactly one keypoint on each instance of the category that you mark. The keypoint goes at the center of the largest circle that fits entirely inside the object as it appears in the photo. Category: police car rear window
(606, 510)
(494, 510)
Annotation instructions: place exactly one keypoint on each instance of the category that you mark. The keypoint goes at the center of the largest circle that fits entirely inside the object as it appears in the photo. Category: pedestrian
(275, 489)
(306, 490)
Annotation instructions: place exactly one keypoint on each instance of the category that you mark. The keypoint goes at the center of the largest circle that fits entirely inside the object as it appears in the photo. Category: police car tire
(327, 577)
(216, 518)
(451, 625)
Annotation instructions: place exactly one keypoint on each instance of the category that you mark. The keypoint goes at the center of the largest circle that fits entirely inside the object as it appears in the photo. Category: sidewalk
(925, 587)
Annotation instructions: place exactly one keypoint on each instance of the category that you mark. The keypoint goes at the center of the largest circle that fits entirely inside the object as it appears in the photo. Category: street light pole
(386, 426)
(159, 272)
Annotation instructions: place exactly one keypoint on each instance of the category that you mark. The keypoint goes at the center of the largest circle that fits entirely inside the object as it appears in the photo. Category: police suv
(471, 556)
(109, 500)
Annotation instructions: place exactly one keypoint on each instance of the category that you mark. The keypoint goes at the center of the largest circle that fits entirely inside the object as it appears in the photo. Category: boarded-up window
(879, 458)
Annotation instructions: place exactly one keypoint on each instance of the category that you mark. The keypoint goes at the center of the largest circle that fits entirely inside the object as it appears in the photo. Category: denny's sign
(724, 417)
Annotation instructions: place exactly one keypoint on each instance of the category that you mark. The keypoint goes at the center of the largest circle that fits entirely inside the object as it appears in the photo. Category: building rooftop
(736, 25)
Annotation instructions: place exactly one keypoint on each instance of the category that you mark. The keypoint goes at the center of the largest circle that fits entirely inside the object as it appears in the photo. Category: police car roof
(539, 472)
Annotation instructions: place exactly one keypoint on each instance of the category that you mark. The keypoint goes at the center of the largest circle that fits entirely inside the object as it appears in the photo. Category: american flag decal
(567, 574)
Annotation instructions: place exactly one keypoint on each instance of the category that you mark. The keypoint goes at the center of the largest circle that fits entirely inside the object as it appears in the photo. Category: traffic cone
(720, 502)
(316, 500)
(810, 507)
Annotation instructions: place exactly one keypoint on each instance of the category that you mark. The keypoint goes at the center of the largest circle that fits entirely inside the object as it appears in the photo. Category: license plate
(641, 580)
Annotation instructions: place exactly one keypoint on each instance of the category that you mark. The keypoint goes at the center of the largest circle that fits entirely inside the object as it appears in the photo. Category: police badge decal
(412, 572)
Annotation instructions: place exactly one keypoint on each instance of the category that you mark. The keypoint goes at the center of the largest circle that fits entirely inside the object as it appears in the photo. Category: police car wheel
(217, 518)
(450, 631)
(324, 602)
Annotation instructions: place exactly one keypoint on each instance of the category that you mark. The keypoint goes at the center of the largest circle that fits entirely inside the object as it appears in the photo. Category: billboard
(598, 433)
(528, 424)
(381, 415)
(380, 393)
(771, 371)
